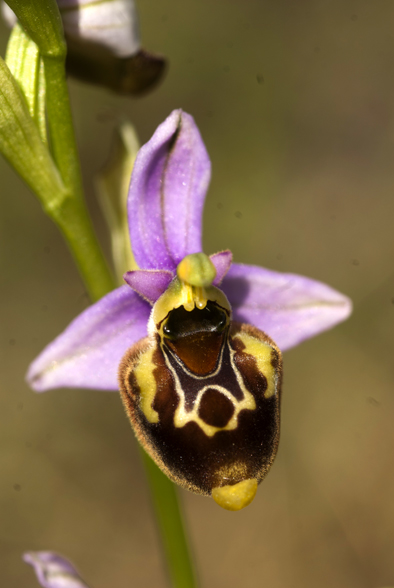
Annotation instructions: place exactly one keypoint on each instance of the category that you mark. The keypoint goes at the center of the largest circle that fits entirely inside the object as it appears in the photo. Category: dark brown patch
(166, 399)
(196, 337)
(215, 409)
(199, 352)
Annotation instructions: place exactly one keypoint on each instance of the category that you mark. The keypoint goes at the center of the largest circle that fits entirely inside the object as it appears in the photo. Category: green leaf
(25, 63)
(21, 144)
(42, 22)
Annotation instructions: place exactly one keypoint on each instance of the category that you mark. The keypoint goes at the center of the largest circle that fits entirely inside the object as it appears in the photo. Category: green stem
(61, 125)
(71, 215)
(170, 523)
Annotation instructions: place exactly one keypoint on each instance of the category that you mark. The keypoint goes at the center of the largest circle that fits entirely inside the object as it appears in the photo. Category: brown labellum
(203, 397)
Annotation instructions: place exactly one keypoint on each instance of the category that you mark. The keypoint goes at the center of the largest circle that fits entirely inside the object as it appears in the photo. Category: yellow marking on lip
(237, 496)
(262, 352)
(182, 416)
(143, 373)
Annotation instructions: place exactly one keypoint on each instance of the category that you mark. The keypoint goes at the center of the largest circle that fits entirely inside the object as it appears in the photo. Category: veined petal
(288, 307)
(150, 284)
(222, 262)
(167, 192)
(53, 570)
(88, 353)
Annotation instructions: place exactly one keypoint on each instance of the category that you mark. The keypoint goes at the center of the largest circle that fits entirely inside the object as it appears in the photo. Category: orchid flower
(53, 570)
(104, 45)
(197, 338)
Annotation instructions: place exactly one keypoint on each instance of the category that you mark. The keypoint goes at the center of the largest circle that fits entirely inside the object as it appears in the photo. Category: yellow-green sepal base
(235, 497)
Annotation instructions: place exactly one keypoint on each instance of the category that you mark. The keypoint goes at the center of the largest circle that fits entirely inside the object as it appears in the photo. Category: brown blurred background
(295, 101)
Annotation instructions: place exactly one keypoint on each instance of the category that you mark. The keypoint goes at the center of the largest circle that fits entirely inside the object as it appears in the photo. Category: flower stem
(71, 214)
(60, 124)
(170, 522)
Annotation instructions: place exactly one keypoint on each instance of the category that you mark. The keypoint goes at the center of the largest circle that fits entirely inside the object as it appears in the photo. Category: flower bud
(103, 45)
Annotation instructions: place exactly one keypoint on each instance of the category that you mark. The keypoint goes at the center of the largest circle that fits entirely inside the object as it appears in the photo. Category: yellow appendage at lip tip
(237, 496)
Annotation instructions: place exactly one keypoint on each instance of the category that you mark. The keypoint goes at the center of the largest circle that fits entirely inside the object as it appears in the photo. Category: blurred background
(295, 102)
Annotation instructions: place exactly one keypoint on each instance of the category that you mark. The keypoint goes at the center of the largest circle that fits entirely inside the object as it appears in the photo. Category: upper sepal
(167, 192)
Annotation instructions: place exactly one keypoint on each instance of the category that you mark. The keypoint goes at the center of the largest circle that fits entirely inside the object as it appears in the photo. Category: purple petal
(87, 354)
(167, 192)
(53, 570)
(222, 262)
(288, 307)
(150, 284)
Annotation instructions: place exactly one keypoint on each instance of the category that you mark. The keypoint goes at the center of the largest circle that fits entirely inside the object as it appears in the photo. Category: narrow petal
(288, 307)
(150, 284)
(87, 354)
(167, 192)
(222, 262)
(53, 570)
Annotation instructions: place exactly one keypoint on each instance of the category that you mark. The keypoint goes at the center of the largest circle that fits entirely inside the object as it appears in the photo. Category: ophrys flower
(200, 373)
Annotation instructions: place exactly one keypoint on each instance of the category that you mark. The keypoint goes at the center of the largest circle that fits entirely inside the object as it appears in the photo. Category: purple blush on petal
(88, 353)
(53, 570)
(150, 284)
(167, 192)
(222, 262)
(288, 307)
